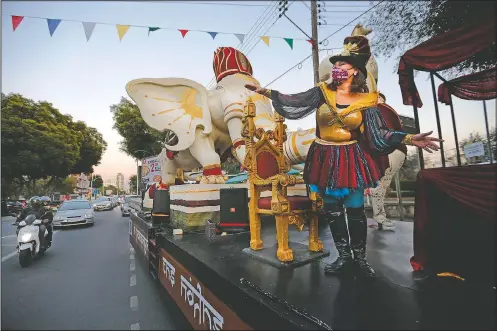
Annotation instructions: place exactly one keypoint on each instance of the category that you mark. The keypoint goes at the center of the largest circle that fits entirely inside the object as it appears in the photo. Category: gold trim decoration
(211, 166)
(408, 139)
(267, 93)
(332, 143)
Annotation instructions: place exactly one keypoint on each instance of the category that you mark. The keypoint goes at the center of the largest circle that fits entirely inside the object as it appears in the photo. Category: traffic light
(282, 7)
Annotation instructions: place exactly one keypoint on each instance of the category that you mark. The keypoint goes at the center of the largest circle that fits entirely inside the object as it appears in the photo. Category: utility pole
(315, 49)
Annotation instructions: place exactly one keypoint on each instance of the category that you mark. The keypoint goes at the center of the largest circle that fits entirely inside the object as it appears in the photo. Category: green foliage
(405, 185)
(132, 183)
(111, 187)
(97, 181)
(410, 168)
(231, 165)
(137, 135)
(38, 142)
(400, 25)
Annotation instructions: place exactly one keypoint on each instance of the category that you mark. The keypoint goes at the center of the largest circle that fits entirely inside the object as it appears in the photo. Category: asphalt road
(88, 279)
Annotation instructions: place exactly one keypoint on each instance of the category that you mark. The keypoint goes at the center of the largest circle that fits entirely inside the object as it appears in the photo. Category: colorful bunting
(88, 26)
(16, 20)
(289, 41)
(121, 30)
(52, 25)
(152, 29)
(183, 32)
(265, 39)
(240, 37)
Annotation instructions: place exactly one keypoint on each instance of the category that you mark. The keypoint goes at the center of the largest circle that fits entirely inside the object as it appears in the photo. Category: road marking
(131, 256)
(135, 326)
(131, 266)
(5, 258)
(132, 280)
(133, 303)
(14, 253)
(131, 250)
(11, 236)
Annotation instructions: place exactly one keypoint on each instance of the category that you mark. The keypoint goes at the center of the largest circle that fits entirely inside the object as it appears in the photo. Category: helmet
(36, 203)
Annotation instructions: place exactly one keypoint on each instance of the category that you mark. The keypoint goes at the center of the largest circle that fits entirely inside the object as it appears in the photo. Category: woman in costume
(351, 134)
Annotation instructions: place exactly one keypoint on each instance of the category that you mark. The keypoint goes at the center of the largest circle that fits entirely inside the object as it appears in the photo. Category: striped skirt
(332, 167)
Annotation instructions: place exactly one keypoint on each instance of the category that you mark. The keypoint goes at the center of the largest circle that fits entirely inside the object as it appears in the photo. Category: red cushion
(296, 203)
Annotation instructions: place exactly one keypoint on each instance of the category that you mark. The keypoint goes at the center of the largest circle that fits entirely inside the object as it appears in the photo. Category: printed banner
(200, 306)
(151, 170)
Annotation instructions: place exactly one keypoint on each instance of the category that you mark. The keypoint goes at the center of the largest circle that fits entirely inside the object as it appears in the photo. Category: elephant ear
(176, 104)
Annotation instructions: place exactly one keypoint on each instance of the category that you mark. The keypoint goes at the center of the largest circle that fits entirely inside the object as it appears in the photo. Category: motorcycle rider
(42, 211)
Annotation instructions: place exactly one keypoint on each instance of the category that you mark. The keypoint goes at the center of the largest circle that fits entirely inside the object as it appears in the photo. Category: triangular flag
(240, 37)
(88, 26)
(310, 41)
(52, 25)
(16, 20)
(121, 30)
(152, 29)
(265, 39)
(213, 34)
(183, 32)
(289, 41)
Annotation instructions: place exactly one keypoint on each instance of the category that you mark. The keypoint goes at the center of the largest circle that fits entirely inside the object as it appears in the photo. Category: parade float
(195, 239)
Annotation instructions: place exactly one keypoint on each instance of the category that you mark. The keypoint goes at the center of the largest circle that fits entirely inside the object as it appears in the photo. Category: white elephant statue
(208, 123)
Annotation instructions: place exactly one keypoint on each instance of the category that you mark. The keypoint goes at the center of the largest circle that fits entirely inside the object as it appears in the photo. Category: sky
(84, 79)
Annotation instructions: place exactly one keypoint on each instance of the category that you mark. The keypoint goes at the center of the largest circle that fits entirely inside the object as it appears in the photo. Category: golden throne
(267, 171)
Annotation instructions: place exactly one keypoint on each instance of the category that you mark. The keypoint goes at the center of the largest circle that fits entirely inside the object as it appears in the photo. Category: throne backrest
(264, 149)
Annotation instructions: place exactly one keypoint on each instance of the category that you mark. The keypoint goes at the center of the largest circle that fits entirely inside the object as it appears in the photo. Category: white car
(73, 213)
(103, 203)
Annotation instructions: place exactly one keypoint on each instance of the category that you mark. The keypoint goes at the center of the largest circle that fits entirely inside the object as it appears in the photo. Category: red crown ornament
(229, 61)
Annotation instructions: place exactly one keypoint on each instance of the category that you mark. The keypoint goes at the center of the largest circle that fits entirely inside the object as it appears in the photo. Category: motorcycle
(32, 239)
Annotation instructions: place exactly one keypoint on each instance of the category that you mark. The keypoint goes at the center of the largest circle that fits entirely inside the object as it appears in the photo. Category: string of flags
(122, 29)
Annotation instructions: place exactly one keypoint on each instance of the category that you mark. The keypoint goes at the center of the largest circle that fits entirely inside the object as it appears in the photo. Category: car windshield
(103, 199)
(74, 205)
(127, 199)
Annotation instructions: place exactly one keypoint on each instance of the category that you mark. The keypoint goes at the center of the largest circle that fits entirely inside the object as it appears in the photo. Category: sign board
(474, 149)
(408, 124)
(151, 170)
(201, 307)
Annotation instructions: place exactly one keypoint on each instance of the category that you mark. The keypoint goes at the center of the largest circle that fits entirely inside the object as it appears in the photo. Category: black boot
(335, 216)
(358, 229)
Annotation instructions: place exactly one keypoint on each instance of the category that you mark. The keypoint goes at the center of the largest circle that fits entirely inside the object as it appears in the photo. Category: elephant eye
(219, 88)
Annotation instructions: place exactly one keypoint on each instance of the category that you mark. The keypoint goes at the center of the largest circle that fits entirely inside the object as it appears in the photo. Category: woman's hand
(422, 140)
(255, 88)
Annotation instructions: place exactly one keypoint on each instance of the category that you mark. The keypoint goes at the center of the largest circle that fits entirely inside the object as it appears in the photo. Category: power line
(261, 17)
(256, 27)
(321, 42)
(205, 3)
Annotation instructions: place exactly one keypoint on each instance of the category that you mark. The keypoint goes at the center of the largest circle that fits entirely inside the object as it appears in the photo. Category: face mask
(339, 75)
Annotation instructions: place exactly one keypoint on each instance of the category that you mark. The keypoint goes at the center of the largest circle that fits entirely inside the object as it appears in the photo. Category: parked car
(115, 203)
(103, 203)
(125, 208)
(73, 213)
(14, 207)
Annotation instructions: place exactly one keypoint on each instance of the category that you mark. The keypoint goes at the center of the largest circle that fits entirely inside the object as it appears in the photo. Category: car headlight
(25, 237)
(57, 218)
(89, 215)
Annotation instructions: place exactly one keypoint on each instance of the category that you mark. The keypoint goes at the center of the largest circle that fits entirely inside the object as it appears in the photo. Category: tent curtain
(471, 188)
(477, 86)
(440, 53)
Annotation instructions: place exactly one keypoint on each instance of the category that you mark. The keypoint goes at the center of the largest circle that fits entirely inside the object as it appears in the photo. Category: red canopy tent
(477, 86)
(440, 53)
(454, 206)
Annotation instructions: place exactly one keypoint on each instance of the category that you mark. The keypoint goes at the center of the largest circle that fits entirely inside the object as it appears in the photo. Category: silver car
(73, 213)
(125, 208)
(103, 203)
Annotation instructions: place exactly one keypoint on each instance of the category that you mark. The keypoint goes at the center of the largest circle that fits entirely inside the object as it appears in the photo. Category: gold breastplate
(336, 128)
(336, 125)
